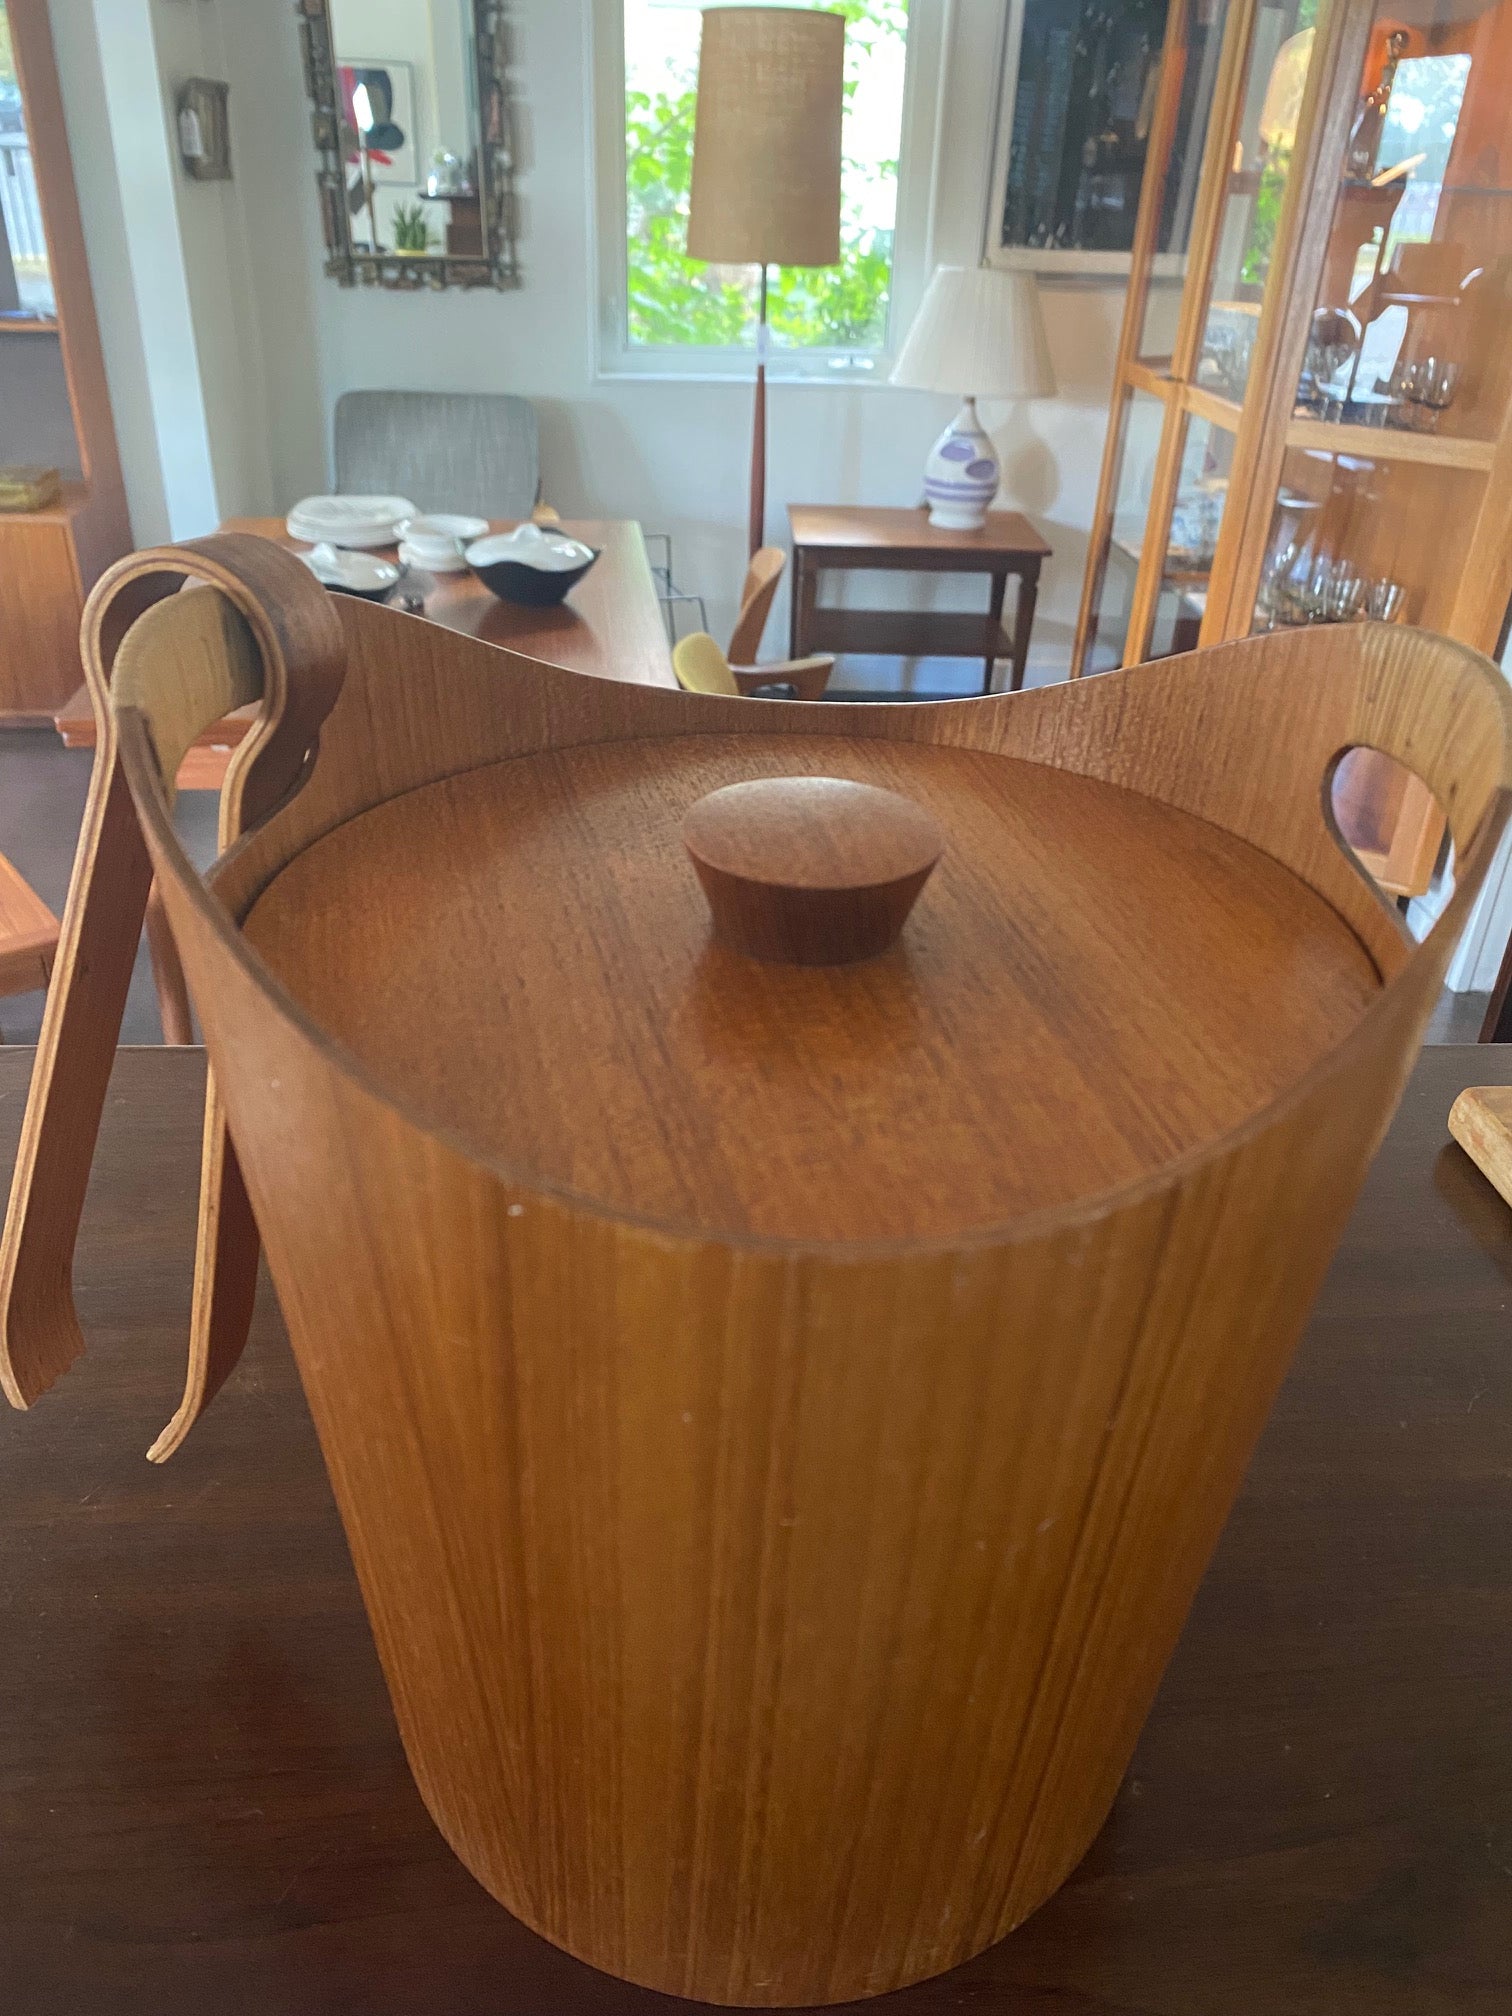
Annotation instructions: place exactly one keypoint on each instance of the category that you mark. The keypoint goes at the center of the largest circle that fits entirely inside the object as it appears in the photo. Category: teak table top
(1046, 1030)
(205, 1806)
(610, 626)
(859, 535)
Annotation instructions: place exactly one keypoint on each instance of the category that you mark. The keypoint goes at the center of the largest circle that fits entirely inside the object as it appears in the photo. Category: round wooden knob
(815, 871)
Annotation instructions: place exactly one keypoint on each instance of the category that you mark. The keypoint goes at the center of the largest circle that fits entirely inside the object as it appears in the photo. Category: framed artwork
(1080, 79)
(378, 101)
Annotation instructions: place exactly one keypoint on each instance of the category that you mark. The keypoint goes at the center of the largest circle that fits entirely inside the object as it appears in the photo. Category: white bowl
(352, 573)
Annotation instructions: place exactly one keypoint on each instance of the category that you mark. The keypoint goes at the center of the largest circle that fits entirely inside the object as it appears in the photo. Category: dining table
(204, 1805)
(610, 627)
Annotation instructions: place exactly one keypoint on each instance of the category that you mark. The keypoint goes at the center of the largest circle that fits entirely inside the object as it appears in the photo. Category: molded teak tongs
(102, 924)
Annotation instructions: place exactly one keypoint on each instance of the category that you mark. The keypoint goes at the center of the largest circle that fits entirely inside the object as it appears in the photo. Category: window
(666, 312)
(25, 282)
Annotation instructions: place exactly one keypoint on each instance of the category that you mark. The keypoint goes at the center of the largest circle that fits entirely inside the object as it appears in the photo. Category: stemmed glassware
(1427, 386)
(1327, 591)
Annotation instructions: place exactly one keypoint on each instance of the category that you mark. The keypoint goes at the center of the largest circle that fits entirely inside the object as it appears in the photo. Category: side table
(852, 539)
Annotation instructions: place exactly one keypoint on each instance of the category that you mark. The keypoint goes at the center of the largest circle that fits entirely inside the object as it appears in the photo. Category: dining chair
(702, 667)
(445, 451)
(28, 934)
(762, 576)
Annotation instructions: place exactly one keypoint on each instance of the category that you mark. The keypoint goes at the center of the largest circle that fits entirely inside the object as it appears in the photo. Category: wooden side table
(854, 539)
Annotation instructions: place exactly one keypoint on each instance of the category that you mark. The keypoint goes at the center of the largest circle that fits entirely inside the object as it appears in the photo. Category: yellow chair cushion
(701, 666)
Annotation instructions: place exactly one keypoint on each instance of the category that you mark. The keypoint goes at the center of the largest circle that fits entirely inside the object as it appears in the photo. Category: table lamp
(979, 334)
(766, 160)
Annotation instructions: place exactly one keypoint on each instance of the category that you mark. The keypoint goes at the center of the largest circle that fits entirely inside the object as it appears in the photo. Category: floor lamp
(766, 160)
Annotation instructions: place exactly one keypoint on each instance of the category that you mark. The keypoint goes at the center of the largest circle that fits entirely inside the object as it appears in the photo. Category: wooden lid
(1089, 986)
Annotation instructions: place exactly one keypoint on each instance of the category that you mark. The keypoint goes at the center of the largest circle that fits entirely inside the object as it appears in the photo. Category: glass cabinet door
(1407, 372)
(1389, 504)
(1262, 152)
(1180, 178)
(1116, 619)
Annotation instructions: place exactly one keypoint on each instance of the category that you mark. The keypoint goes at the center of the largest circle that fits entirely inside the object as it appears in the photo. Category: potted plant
(411, 232)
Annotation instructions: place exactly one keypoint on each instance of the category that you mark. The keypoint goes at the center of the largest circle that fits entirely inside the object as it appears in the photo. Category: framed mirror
(413, 141)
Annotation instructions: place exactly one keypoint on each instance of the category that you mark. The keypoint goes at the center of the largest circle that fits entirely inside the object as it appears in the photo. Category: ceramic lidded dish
(534, 565)
(780, 1409)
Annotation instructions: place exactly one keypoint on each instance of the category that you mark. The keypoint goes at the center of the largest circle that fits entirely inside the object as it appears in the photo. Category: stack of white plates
(355, 522)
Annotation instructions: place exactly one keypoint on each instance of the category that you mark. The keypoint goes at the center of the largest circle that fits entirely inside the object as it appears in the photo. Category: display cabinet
(1314, 423)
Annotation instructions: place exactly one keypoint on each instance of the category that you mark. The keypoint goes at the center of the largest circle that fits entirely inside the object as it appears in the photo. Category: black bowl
(517, 581)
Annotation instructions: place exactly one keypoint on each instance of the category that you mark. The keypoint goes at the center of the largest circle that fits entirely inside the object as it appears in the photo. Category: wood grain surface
(610, 625)
(879, 536)
(28, 934)
(772, 1621)
(945, 1090)
(1481, 1121)
(207, 1807)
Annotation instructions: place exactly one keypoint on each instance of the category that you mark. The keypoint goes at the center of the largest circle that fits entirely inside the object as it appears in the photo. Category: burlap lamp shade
(766, 160)
(766, 148)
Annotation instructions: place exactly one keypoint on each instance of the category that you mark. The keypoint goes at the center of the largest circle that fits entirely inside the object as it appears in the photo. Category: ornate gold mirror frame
(496, 263)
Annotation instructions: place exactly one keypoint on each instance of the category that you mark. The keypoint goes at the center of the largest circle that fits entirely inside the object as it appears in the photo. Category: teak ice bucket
(780, 1412)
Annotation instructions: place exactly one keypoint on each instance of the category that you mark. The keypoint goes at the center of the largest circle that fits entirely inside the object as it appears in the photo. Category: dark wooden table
(204, 1810)
(849, 539)
(610, 626)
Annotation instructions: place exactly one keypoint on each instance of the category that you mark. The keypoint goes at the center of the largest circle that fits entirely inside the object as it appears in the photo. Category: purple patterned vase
(961, 475)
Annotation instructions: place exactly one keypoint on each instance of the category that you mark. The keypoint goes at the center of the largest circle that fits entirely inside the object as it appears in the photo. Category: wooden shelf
(1390, 444)
(913, 633)
(23, 325)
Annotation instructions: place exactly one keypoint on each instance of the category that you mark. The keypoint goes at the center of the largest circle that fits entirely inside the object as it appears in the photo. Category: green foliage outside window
(677, 300)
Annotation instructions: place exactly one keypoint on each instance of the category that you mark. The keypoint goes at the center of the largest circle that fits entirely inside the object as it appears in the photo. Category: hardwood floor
(42, 787)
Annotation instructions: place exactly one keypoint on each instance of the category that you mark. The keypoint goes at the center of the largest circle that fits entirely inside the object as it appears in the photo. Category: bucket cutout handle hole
(1385, 816)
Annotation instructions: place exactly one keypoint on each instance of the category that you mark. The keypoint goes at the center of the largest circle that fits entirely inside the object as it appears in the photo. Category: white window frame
(617, 357)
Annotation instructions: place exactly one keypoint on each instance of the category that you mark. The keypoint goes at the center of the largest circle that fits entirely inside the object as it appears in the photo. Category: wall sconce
(204, 129)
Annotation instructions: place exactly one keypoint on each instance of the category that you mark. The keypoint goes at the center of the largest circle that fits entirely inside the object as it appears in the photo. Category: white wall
(278, 342)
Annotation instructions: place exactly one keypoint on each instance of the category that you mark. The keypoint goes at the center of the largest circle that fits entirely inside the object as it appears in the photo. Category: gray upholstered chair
(445, 451)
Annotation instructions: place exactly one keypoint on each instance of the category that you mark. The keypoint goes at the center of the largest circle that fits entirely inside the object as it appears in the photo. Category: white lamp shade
(978, 331)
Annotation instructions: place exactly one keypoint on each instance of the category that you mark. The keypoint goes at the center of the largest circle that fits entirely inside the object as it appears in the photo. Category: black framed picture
(1080, 81)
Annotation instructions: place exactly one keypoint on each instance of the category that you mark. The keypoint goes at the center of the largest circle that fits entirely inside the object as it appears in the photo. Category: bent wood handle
(285, 642)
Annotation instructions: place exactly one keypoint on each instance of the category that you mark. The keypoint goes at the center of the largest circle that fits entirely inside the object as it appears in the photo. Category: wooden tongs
(102, 924)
